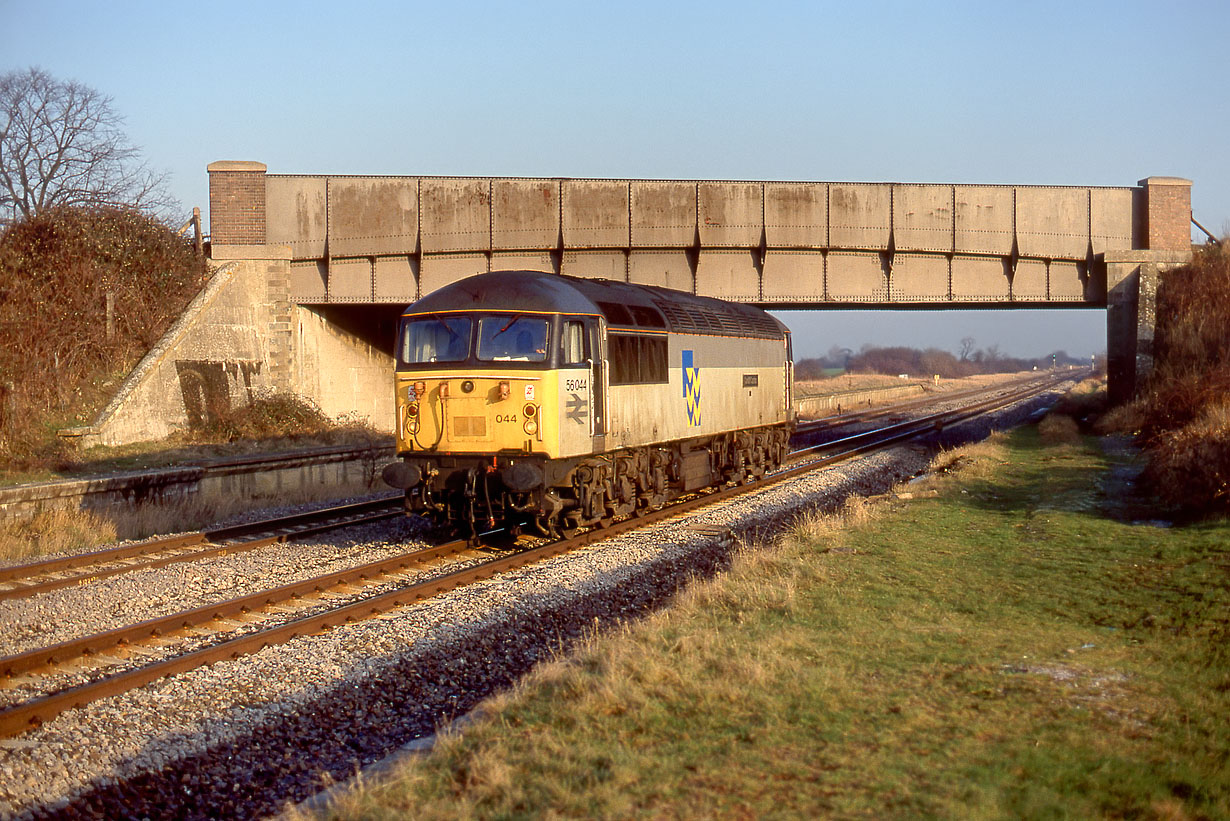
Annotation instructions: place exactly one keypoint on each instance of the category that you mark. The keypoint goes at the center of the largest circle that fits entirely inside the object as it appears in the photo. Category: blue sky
(1074, 93)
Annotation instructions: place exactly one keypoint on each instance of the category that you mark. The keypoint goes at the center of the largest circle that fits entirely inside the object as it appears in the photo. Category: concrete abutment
(242, 339)
(1132, 280)
(1131, 316)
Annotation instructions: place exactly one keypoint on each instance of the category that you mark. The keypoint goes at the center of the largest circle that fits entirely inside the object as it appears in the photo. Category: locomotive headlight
(505, 389)
(467, 386)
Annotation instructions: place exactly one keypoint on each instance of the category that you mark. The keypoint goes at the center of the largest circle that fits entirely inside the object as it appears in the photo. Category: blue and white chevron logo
(691, 389)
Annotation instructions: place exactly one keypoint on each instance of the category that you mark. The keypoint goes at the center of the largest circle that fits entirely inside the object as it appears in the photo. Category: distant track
(868, 414)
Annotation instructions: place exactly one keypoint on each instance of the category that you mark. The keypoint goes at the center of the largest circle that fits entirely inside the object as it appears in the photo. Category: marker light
(410, 423)
(530, 426)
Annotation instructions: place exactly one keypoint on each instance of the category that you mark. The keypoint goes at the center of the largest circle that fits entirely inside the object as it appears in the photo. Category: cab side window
(573, 343)
(637, 360)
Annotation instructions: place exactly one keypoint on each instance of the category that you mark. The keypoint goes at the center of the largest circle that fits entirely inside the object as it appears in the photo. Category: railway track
(848, 418)
(51, 574)
(230, 629)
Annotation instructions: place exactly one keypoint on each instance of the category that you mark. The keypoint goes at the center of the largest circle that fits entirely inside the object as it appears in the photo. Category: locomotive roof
(624, 305)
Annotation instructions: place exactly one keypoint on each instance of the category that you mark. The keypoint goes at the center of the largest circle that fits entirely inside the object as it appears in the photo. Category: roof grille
(704, 320)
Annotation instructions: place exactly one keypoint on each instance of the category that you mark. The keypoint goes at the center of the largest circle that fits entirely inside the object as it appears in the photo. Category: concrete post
(1131, 315)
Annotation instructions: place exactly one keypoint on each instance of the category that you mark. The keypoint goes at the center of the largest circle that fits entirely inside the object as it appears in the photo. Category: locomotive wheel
(567, 527)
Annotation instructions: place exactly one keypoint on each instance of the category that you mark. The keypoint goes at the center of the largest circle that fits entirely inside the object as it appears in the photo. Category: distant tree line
(924, 363)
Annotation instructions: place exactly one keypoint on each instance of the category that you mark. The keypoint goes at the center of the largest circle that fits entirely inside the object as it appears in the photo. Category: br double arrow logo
(577, 409)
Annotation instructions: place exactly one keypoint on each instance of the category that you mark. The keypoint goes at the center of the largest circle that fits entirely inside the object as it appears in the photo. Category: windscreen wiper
(506, 327)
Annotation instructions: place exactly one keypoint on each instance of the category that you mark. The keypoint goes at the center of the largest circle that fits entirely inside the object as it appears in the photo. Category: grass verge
(994, 646)
(63, 531)
(272, 424)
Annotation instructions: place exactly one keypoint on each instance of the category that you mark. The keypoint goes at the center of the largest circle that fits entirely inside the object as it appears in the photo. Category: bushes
(63, 351)
(279, 415)
(1184, 414)
(1190, 467)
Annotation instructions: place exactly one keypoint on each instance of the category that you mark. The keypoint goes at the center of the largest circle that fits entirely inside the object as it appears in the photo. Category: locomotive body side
(714, 384)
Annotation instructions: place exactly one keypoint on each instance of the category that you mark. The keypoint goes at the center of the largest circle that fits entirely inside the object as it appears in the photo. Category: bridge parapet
(394, 239)
(324, 245)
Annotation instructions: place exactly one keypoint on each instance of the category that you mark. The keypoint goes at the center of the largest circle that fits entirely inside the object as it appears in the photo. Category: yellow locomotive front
(478, 392)
(470, 429)
(463, 409)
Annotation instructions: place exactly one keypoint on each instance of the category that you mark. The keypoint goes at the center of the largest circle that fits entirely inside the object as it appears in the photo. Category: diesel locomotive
(530, 399)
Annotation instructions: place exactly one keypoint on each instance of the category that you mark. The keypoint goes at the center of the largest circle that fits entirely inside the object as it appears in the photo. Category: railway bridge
(315, 268)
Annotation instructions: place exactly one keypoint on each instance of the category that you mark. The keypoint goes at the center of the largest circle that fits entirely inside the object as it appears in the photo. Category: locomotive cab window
(512, 339)
(435, 339)
(637, 360)
(573, 344)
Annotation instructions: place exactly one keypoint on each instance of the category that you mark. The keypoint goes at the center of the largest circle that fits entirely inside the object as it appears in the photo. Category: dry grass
(1059, 429)
(978, 653)
(1127, 418)
(276, 416)
(1084, 403)
(51, 532)
(848, 382)
(1190, 467)
(75, 531)
(864, 381)
(980, 461)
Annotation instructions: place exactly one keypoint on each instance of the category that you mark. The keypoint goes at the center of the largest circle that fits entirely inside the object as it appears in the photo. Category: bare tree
(61, 143)
(967, 347)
